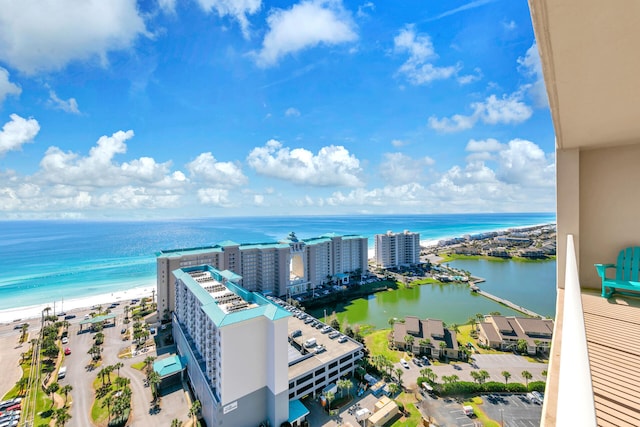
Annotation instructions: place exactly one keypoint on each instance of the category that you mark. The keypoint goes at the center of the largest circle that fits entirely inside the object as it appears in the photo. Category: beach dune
(76, 304)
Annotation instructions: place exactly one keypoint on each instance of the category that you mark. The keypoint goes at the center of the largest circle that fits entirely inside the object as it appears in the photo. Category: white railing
(575, 405)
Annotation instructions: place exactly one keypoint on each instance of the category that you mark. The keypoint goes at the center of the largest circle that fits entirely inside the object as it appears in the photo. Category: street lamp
(501, 417)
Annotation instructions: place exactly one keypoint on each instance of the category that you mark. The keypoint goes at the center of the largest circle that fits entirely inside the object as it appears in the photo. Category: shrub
(516, 388)
(537, 386)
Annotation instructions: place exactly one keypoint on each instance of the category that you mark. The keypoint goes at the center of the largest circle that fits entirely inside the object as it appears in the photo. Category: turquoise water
(44, 261)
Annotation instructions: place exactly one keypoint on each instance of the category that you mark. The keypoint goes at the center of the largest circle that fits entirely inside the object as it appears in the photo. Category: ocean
(48, 261)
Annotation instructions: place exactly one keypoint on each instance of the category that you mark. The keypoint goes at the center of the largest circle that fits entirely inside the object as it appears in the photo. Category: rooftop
(224, 301)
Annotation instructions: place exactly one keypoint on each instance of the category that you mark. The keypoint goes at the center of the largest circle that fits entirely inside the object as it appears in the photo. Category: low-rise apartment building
(504, 333)
(426, 337)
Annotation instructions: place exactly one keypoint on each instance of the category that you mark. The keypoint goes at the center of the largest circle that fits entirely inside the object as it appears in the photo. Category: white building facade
(234, 343)
(397, 249)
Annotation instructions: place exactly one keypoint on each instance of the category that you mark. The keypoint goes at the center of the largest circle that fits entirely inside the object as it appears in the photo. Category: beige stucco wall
(609, 207)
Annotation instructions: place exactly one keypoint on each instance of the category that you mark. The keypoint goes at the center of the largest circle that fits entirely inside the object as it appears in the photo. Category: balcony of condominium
(589, 59)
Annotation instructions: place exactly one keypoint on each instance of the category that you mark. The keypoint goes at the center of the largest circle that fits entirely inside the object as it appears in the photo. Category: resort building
(397, 249)
(250, 358)
(233, 343)
(284, 268)
(426, 337)
(588, 52)
(504, 333)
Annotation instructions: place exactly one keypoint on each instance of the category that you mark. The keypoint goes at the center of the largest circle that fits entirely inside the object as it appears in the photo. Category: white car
(65, 340)
(404, 363)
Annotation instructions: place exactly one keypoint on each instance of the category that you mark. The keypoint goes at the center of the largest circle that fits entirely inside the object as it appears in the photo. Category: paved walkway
(509, 304)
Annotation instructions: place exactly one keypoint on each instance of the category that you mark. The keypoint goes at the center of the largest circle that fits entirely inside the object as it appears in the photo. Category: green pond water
(530, 285)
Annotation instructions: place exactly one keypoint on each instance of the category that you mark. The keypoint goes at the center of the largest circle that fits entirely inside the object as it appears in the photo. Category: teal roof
(97, 319)
(176, 253)
(168, 366)
(297, 411)
(274, 245)
(210, 307)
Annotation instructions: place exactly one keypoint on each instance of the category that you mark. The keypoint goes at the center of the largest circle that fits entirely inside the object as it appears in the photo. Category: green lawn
(377, 343)
(414, 417)
(476, 402)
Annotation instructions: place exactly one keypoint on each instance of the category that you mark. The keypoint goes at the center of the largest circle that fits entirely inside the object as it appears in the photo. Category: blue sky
(162, 109)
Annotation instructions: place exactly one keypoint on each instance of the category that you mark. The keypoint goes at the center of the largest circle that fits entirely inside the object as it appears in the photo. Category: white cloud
(399, 143)
(524, 163)
(398, 168)
(489, 144)
(38, 36)
(292, 112)
(362, 9)
(493, 110)
(508, 109)
(6, 87)
(531, 66)
(420, 49)
(456, 123)
(167, 6)
(17, 132)
(470, 78)
(237, 9)
(214, 197)
(258, 199)
(510, 26)
(99, 169)
(332, 165)
(219, 174)
(412, 194)
(307, 24)
(68, 106)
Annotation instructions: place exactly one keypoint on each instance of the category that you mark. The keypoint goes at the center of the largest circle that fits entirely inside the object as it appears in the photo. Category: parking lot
(512, 410)
(515, 410)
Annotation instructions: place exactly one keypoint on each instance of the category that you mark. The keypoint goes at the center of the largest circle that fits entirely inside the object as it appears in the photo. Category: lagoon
(529, 284)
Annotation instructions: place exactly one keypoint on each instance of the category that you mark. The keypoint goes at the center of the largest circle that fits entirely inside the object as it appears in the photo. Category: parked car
(404, 363)
(67, 351)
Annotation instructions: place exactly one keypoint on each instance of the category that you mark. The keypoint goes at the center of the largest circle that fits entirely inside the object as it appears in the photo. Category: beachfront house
(505, 333)
(427, 337)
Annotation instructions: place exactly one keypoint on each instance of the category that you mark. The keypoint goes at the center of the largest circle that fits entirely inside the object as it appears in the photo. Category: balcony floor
(613, 339)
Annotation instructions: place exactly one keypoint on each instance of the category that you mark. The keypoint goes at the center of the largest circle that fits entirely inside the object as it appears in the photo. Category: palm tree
(22, 384)
(95, 352)
(101, 374)
(61, 416)
(117, 366)
(148, 364)
(527, 376)
(108, 402)
(409, 339)
(53, 387)
(393, 388)
(506, 375)
(154, 382)
(483, 375)
(176, 423)
(329, 396)
(544, 373)
(23, 332)
(66, 389)
(108, 370)
(399, 372)
(443, 346)
(195, 410)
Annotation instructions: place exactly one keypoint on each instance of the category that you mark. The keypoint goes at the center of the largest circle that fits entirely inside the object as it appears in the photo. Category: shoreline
(11, 315)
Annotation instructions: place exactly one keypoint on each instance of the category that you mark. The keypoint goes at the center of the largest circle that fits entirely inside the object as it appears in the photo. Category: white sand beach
(76, 304)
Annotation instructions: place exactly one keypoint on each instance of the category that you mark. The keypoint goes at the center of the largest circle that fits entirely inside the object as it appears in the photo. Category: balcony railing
(575, 398)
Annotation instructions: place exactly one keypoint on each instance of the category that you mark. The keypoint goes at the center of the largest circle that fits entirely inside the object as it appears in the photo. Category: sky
(123, 109)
